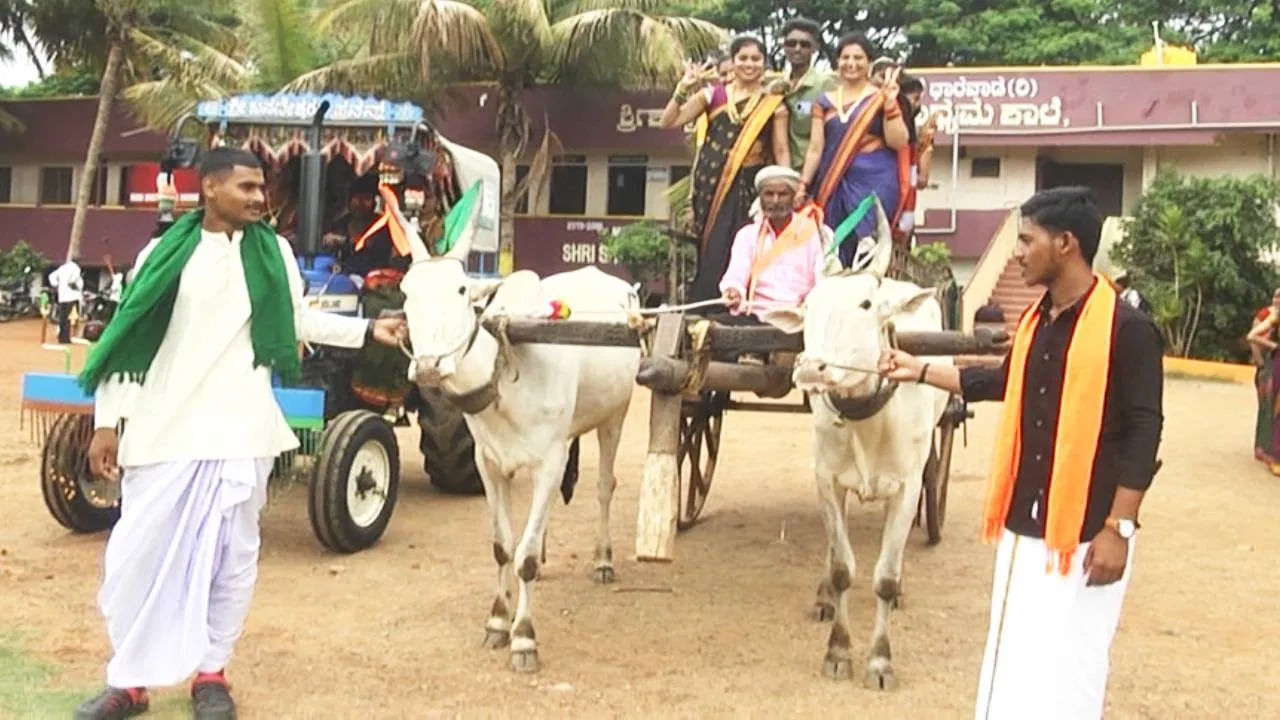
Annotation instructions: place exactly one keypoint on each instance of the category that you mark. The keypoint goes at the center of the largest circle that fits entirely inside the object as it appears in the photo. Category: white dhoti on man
(180, 568)
(201, 432)
(1049, 643)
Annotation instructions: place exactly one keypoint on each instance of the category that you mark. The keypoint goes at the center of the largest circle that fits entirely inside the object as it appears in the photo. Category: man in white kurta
(202, 430)
(68, 282)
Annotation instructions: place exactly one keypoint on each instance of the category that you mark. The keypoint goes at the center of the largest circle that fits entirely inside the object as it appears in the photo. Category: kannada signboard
(1000, 101)
(549, 245)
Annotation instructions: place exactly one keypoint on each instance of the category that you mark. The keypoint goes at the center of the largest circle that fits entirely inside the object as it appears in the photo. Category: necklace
(731, 104)
(840, 109)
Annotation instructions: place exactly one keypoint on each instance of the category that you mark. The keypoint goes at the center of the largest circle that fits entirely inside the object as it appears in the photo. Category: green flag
(845, 229)
(459, 217)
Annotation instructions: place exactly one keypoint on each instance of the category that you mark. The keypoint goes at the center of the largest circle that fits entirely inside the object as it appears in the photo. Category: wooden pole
(659, 501)
(668, 375)
(730, 339)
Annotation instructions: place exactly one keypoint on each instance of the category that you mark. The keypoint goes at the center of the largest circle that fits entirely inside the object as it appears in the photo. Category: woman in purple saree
(858, 129)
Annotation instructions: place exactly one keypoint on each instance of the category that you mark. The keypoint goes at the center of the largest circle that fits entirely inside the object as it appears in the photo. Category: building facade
(1004, 133)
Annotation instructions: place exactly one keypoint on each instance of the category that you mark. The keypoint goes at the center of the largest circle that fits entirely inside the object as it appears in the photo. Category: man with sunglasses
(802, 39)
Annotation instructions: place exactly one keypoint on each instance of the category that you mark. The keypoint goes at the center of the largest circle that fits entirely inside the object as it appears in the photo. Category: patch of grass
(26, 694)
(24, 685)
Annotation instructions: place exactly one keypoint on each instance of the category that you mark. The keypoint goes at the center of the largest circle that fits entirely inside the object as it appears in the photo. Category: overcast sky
(17, 72)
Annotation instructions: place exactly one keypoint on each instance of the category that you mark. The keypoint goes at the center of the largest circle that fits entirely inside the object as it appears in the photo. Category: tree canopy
(931, 33)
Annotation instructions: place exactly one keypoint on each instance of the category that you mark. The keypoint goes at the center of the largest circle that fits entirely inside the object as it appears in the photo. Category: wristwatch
(1125, 527)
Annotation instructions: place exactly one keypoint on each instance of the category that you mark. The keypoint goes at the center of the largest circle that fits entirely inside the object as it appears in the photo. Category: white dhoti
(1049, 643)
(180, 568)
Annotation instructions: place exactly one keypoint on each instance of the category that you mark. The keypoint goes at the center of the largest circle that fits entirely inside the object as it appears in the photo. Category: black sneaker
(114, 703)
(211, 698)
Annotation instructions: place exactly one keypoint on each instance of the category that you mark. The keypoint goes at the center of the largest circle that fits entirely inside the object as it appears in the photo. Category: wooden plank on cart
(659, 489)
(559, 332)
(766, 338)
(728, 339)
(668, 375)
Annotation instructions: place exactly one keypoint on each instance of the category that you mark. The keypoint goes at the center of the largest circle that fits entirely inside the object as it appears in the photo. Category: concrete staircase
(1012, 294)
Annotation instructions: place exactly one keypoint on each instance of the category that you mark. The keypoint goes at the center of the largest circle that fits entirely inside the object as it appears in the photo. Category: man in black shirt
(1075, 456)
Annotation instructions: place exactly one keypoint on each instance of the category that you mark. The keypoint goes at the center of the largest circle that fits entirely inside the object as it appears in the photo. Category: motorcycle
(15, 298)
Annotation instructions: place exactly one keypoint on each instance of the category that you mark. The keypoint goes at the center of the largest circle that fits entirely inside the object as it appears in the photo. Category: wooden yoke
(659, 502)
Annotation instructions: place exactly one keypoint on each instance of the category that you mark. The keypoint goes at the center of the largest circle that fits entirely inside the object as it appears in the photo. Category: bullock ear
(903, 302)
(788, 320)
(519, 293)
(482, 290)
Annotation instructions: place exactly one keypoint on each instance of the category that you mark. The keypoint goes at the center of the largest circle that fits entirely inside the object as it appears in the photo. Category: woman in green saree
(746, 130)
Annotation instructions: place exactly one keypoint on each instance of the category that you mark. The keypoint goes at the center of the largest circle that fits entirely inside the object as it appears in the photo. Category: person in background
(68, 282)
(1074, 457)
(802, 44)
(1130, 294)
(115, 285)
(1263, 338)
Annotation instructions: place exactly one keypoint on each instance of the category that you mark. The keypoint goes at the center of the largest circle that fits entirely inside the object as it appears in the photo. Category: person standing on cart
(214, 311)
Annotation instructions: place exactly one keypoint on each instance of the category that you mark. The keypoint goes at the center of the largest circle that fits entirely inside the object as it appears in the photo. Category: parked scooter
(15, 298)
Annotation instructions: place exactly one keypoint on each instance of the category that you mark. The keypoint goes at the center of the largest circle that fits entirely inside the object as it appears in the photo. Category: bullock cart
(692, 393)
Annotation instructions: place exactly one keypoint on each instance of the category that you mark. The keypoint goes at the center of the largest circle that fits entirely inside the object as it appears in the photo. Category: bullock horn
(390, 204)
(883, 254)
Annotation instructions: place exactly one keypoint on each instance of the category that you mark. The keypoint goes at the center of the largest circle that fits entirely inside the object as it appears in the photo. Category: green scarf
(130, 341)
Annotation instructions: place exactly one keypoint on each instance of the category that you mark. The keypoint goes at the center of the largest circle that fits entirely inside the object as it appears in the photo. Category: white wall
(1016, 182)
(1235, 155)
(25, 188)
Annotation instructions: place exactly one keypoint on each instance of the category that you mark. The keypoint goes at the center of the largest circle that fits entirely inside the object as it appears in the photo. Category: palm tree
(14, 16)
(418, 47)
(164, 53)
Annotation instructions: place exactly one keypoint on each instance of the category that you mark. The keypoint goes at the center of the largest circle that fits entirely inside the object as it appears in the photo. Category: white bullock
(870, 437)
(525, 406)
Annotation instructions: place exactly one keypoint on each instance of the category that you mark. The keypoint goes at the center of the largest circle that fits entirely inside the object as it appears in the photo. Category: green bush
(934, 255)
(646, 251)
(18, 258)
(1194, 247)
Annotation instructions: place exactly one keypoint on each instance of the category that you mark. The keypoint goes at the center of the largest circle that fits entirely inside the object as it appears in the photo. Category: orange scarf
(399, 239)
(796, 233)
(1079, 425)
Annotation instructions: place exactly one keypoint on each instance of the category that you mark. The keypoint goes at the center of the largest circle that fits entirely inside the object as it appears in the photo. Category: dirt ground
(394, 632)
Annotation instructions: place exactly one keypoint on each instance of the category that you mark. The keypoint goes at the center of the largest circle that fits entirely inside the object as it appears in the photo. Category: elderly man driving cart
(775, 261)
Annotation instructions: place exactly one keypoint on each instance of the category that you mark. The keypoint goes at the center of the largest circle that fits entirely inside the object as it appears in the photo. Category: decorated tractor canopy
(328, 157)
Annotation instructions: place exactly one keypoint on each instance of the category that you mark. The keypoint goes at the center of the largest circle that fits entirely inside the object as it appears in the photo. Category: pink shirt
(785, 282)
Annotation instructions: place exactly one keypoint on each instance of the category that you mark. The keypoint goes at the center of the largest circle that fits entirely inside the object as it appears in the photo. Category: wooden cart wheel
(700, 424)
(937, 472)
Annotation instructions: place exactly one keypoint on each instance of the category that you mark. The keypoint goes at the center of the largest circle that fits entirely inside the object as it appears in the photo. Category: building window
(522, 202)
(6, 185)
(628, 178)
(985, 167)
(680, 172)
(55, 185)
(569, 185)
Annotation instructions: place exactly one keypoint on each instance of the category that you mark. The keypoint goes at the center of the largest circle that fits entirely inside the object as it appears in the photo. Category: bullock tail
(570, 473)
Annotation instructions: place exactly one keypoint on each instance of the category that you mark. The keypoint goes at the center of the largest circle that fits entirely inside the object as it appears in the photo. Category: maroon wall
(59, 129)
(1062, 106)
(117, 231)
(974, 230)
